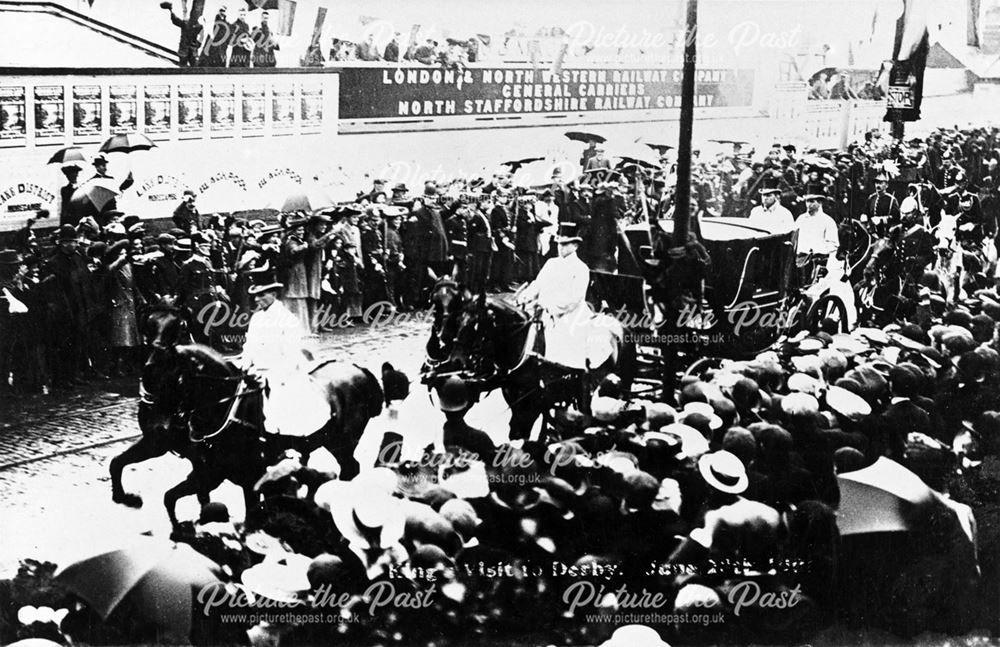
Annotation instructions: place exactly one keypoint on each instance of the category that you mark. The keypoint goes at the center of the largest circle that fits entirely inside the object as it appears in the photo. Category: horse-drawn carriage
(738, 303)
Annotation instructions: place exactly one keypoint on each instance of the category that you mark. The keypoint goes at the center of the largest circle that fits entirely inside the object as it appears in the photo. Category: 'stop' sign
(374, 93)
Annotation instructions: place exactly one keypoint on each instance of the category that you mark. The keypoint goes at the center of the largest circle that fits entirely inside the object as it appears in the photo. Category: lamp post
(682, 196)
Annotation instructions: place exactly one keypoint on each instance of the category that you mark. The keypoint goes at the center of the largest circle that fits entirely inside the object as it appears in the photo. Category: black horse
(491, 344)
(189, 392)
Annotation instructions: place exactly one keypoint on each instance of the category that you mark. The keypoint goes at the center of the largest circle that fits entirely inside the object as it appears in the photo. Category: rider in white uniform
(276, 351)
(560, 289)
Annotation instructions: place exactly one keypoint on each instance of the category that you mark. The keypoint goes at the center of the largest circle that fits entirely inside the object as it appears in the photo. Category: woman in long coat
(296, 293)
(123, 336)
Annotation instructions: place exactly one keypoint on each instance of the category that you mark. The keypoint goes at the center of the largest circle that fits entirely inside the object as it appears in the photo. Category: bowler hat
(68, 233)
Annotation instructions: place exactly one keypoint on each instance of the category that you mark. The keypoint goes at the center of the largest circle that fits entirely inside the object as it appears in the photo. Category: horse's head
(165, 327)
(478, 335)
(448, 300)
(191, 380)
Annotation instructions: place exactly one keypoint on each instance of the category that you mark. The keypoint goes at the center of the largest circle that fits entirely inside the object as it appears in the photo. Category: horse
(490, 344)
(189, 392)
(893, 275)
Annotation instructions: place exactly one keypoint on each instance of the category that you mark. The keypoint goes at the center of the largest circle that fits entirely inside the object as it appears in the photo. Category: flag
(557, 64)
(909, 58)
(286, 17)
(318, 26)
(972, 24)
(267, 5)
(485, 39)
(533, 47)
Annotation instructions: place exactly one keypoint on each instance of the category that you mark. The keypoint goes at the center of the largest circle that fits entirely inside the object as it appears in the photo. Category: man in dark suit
(68, 215)
(430, 244)
(186, 214)
(481, 248)
(503, 229)
(901, 418)
(70, 275)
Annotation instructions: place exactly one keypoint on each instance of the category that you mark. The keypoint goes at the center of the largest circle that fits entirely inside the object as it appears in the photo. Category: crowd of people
(73, 296)
(686, 521)
(731, 491)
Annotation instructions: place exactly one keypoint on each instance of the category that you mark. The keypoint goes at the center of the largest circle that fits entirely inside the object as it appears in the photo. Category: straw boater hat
(262, 280)
(724, 471)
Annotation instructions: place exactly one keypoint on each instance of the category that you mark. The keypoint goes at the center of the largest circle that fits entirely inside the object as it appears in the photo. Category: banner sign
(903, 97)
(380, 93)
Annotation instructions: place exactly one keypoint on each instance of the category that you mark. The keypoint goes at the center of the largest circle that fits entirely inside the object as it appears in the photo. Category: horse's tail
(375, 395)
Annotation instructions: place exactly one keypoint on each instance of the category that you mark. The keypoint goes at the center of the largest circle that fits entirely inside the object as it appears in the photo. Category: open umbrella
(577, 136)
(127, 143)
(94, 194)
(514, 165)
(531, 172)
(67, 155)
(636, 153)
(307, 199)
(159, 581)
(879, 498)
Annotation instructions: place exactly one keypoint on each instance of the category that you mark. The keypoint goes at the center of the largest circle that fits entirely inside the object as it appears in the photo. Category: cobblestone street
(54, 452)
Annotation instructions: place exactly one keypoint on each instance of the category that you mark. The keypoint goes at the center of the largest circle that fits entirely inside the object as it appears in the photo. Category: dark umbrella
(660, 148)
(127, 143)
(577, 136)
(66, 155)
(159, 580)
(94, 194)
(513, 165)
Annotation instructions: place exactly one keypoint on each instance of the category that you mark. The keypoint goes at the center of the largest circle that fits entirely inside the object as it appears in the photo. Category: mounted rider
(560, 290)
(275, 353)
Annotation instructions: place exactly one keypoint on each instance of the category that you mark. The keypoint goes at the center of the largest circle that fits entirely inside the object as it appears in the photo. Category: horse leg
(191, 485)
(142, 450)
(524, 411)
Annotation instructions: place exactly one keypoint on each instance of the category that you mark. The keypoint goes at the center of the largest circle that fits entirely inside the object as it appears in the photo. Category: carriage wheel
(827, 306)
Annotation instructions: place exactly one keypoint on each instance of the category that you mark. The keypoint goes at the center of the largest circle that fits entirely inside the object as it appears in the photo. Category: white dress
(274, 349)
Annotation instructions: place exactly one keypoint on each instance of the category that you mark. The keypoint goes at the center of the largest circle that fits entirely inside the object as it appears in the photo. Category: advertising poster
(122, 111)
(312, 107)
(50, 115)
(12, 111)
(223, 108)
(157, 109)
(86, 111)
(282, 108)
(253, 109)
(190, 111)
